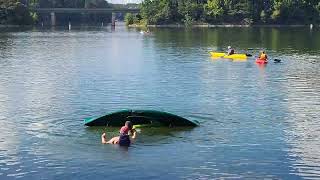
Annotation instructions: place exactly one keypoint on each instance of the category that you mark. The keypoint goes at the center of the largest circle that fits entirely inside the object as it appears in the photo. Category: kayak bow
(261, 61)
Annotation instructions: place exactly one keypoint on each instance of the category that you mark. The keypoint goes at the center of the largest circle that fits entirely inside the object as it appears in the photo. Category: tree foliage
(214, 9)
(130, 18)
(14, 12)
(231, 11)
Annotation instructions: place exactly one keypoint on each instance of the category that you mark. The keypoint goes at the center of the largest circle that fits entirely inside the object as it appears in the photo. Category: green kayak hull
(117, 119)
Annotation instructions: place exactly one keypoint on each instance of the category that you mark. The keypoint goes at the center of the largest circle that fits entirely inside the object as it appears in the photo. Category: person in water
(263, 56)
(124, 138)
(230, 50)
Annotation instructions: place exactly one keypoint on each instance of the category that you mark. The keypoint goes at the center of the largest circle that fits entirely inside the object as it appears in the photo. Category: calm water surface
(256, 121)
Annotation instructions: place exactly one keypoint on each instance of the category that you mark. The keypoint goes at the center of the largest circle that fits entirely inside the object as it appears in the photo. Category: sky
(123, 1)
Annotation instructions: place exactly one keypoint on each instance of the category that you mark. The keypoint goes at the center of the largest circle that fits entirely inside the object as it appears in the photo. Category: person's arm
(114, 140)
(103, 138)
(134, 134)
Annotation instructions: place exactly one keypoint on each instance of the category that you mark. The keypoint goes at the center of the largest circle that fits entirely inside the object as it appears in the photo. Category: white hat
(229, 47)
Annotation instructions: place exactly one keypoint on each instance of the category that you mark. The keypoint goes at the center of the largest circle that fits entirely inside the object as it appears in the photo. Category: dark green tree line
(14, 12)
(231, 11)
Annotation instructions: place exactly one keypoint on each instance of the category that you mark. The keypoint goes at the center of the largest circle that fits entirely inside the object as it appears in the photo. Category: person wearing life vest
(230, 50)
(263, 56)
(124, 138)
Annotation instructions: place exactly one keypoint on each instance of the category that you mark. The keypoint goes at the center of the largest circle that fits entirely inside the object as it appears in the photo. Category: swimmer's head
(128, 124)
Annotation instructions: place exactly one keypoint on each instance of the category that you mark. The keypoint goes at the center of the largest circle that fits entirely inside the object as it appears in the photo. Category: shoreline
(221, 25)
(183, 26)
(12, 26)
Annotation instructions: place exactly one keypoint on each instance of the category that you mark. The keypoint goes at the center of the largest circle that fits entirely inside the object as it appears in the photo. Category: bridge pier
(53, 18)
(113, 19)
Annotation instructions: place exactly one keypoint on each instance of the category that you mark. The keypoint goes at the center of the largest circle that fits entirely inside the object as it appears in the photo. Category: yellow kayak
(223, 55)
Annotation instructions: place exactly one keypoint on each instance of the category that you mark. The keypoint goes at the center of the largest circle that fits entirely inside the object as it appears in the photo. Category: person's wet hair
(129, 124)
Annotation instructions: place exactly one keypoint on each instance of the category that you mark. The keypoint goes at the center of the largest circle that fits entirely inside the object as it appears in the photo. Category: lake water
(256, 121)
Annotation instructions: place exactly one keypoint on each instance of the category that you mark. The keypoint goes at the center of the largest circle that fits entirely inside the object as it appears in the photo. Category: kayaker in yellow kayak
(230, 51)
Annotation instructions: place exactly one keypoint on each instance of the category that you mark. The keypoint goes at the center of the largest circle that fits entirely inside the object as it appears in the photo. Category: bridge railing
(84, 10)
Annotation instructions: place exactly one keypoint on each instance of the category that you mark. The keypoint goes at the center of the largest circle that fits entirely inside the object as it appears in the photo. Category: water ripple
(257, 122)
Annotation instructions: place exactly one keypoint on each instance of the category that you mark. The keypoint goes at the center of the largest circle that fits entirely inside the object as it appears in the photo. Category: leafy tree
(131, 19)
(263, 16)
(190, 8)
(157, 12)
(188, 21)
(14, 12)
(214, 8)
(231, 11)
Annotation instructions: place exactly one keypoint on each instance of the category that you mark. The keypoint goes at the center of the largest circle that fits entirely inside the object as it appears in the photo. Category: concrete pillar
(83, 18)
(113, 19)
(53, 18)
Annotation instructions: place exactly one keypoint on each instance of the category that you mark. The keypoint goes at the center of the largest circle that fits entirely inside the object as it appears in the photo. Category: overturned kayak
(139, 117)
(224, 55)
(261, 61)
